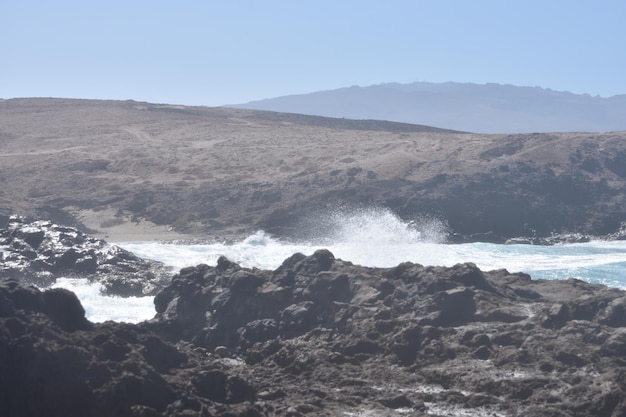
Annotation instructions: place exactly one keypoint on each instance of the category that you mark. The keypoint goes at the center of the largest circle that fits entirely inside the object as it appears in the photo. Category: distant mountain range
(482, 108)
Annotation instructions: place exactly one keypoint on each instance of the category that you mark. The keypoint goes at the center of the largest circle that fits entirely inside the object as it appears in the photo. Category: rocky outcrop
(39, 252)
(512, 199)
(55, 363)
(323, 337)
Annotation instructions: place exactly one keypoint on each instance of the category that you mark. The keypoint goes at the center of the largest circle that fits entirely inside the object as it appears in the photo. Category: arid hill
(218, 172)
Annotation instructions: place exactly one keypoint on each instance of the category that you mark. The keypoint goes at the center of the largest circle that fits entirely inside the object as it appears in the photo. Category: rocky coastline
(318, 336)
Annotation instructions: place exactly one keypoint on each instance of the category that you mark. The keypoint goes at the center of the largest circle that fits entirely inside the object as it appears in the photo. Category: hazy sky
(224, 52)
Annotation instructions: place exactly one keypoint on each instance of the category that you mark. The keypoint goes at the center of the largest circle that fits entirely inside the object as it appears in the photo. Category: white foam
(373, 226)
(100, 308)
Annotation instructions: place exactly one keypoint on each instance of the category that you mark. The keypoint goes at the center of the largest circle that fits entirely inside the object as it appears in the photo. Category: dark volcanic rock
(55, 363)
(323, 337)
(39, 252)
(345, 338)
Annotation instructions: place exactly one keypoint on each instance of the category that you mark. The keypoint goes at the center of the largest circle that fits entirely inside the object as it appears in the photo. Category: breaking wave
(372, 225)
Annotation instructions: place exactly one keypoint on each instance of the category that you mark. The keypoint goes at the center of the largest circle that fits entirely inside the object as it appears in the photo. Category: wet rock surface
(38, 252)
(323, 337)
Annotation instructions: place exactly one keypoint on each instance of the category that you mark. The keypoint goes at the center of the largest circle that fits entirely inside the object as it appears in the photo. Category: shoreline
(108, 225)
(115, 227)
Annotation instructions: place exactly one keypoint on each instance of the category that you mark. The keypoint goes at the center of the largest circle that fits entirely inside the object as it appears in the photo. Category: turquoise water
(597, 262)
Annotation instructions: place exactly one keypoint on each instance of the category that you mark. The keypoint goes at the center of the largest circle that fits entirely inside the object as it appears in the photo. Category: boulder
(65, 310)
(39, 252)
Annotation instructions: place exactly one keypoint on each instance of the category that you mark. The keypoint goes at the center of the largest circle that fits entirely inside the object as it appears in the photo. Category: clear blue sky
(224, 52)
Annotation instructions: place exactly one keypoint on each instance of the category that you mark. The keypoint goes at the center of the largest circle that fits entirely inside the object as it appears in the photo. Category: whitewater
(369, 237)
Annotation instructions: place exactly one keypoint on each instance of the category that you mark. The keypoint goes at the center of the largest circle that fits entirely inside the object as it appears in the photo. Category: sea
(373, 237)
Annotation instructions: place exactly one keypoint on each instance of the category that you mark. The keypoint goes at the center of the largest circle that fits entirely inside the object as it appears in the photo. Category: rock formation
(323, 337)
(40, 251)
(55, 363)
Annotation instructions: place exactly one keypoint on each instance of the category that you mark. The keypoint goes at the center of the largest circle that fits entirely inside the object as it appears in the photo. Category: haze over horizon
(218, 53)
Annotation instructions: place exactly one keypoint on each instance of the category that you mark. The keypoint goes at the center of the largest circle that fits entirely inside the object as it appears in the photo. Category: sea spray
(373, 225)
(367, 236)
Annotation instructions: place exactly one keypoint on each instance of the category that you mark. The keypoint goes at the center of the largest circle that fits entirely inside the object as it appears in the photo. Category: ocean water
(369, 237)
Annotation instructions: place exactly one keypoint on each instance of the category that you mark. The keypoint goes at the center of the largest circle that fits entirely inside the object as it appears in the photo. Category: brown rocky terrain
(112, 166)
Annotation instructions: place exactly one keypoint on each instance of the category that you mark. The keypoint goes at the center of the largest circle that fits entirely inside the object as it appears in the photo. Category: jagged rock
(321, 336)
(469, 325)
(56, 363)
(615, 313)
(39, 252)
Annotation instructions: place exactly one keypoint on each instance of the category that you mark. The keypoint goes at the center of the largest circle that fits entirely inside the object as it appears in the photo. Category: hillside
(221, 173)
(488, 108)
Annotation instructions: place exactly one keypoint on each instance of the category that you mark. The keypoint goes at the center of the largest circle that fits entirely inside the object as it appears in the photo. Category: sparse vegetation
(112, 222)
(244, 166)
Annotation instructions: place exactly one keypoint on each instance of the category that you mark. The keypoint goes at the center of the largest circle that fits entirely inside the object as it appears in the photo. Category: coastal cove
(373, 238)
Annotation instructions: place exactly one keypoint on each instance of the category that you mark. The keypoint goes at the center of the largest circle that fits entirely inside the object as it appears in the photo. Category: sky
(210, 52)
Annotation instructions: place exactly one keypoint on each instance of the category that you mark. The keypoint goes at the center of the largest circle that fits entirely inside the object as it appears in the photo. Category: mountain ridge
(480, 108)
